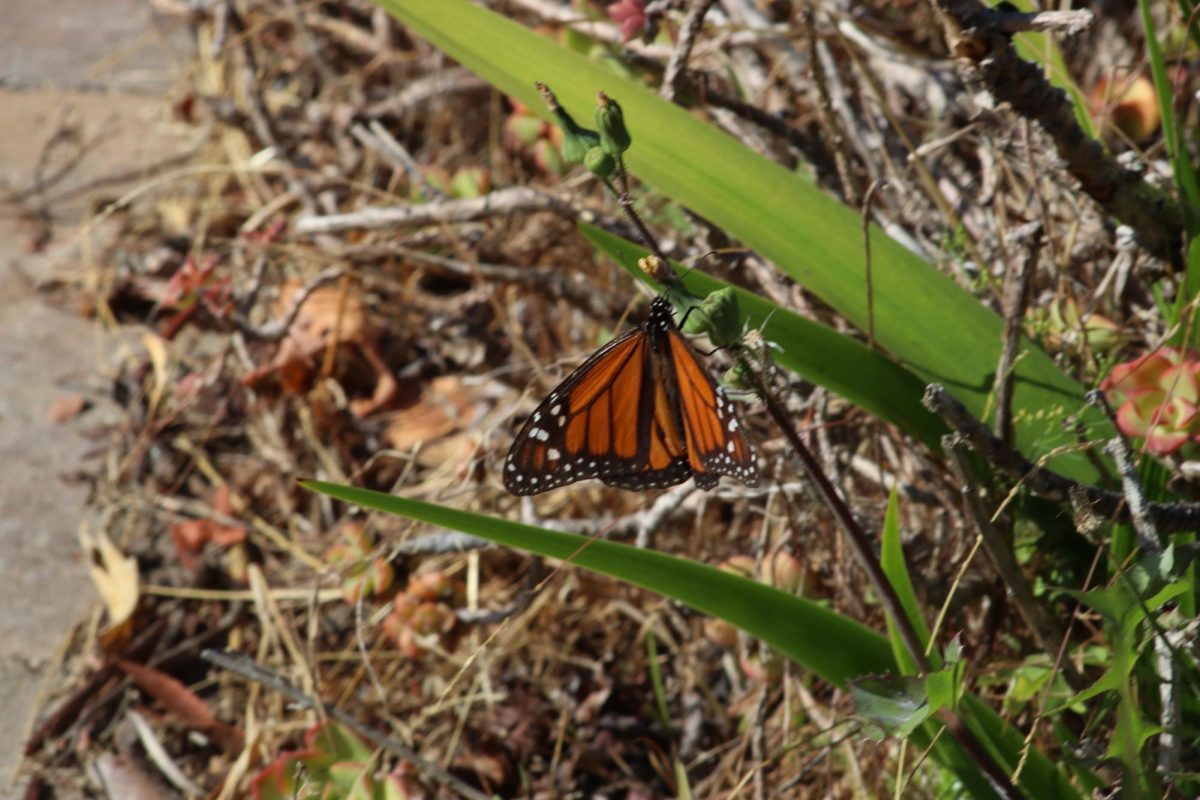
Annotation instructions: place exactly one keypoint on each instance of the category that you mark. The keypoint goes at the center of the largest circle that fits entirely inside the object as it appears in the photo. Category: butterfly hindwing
(715, 442)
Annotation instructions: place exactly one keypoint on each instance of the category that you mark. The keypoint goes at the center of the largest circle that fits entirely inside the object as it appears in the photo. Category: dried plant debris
(398, 338)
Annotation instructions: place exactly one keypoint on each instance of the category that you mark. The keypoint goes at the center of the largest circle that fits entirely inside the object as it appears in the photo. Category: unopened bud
(599, 162)
(576, 139)
(717, 315)
(614, 137)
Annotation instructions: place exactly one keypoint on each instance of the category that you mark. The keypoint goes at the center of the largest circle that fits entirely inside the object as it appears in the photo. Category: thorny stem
(626, 203)
(865, 554)
(980, 40)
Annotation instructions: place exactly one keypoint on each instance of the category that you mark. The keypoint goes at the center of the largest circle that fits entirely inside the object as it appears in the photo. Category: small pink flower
(1158, 398)
(632, 16)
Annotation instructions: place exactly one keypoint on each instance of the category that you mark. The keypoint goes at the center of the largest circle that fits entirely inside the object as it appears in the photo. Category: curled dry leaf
(331, 315)
(116, 579)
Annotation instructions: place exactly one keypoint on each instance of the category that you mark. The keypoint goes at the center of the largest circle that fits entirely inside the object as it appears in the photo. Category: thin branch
(1084, 499)
(1016, 300)
(379, 139)
(437, 85)
(1068, 23)
(683, 48)
(503, 202)
(838, 146)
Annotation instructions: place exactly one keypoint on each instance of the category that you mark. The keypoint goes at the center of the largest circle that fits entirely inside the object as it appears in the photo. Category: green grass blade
(820, 354)
(934, 328)
(1181, 162)
(656, 680)
(896, 570)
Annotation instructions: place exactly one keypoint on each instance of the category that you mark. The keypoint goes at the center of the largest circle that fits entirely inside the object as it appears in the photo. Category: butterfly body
(641, 413)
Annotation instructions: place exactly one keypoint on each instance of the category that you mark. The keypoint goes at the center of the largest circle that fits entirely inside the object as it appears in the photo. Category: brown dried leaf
(444, 406)
(317, 321)
(183, 703)
(115, 576)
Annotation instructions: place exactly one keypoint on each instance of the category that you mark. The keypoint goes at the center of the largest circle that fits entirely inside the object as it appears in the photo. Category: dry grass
(410, 370)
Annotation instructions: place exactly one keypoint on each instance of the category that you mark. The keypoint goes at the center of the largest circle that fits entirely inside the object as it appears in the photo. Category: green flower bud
(717, 315)
(599, 162)
(614, 137)
(577, 140)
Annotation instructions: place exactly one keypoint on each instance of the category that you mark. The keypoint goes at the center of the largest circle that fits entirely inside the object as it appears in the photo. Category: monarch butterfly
(641, 413)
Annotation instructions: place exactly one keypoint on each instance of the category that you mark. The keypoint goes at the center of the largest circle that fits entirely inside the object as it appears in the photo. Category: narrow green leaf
(681, 778)
(831, 646)
(1181, 161)
(660, 691)
(798, 628)
(896, 570)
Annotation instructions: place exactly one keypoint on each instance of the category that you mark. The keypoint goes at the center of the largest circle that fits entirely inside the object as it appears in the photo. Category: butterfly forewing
(666, 461)
(588, 426)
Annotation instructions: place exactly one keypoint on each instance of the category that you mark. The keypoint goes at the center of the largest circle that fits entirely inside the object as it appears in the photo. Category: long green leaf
(934, 328)
(1181, 160)
(799, 628)
(834, 647)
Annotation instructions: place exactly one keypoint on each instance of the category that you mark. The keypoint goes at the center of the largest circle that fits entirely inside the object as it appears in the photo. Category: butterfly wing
(713, 436)
(641, 413)
(595, 424)
(666, 461)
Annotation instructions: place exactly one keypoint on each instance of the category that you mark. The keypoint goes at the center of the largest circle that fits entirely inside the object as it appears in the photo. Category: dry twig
(985, 51)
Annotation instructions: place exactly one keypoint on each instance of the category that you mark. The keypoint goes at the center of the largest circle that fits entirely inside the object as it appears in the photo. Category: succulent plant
(1156, 398)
